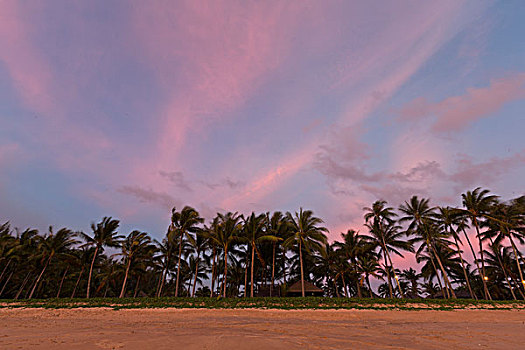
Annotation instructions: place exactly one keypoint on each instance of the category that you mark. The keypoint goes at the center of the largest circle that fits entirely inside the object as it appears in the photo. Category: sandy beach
(260, 329)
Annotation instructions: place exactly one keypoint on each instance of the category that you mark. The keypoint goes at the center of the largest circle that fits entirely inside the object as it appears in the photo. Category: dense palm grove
(262, 254)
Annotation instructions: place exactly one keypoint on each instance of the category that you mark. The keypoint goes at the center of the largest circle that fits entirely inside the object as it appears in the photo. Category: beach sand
(260, 329)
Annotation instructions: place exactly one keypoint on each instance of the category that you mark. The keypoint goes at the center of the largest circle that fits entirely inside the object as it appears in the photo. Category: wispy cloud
(176, 178)
(455, 113)
(164, 200)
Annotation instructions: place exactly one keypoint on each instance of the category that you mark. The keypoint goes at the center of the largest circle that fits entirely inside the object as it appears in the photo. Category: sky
(130, 108)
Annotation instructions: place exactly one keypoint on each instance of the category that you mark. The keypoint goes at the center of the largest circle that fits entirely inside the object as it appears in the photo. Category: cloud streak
(455, 113)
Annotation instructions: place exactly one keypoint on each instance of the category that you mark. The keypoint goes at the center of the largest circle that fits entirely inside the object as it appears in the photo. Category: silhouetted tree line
(239, 256)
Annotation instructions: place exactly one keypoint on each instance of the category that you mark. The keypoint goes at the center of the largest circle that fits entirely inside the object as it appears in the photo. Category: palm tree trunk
(178, 265)
(430, 256)
(344, 286)
(369, 287)
(246, 276)
(251, 270)
(62, 282)
(444, 273)
(189, 286)
(7, 281)
(485, 289)
(503, 269)
(91, 271)
(5, 269)
(284, 265)
(164, 274)
(22, 285)
(388, 274)
(213, 272)
(123, 290)
(158, 283)
(395, 275)
(301, 263)
(522, 281)
(487, 293)
(273, 269)
(472, 295)
(225, 270)
(196, 273)
(39, 277)
(358, 281)
(76, 284)
(335, 287)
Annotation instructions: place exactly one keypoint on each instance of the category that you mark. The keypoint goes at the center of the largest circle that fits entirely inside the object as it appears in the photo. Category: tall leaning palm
(351, 248)
(53, 245)
(306, 233)
(420, 216)
(380, 220)
(184, 223)
(136, 246)
(477, 203)
(104, 235)
(448, 218)
(279, 227)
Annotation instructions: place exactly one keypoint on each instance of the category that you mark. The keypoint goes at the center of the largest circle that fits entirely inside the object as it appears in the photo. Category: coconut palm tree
(53, 245)
(352, 246)
(228, 231)
(137, 246)
(306, 234)
(200, 245)
(411, 276)
(184, 223)
(448, 218)
(477, 203)
(421, 217)
(507, 221)
(377, 219)
(104, 235)
(386, 235)
(368, 265)
(254, 234)
(279, 227)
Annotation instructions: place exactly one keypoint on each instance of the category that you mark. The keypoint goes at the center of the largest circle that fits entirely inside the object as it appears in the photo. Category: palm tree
(279, 227)
(368, 265)
(53, 245)
(184, 223)
(254, 233)
(354, 245)
(412, 276)
(165, 248)
(104, 235)
(448, 218)
(477, 203)
(200, 244)
(508, 222)
(421, 217)
(136, 246)
(376, 217)
(307, 234)
(228, 231)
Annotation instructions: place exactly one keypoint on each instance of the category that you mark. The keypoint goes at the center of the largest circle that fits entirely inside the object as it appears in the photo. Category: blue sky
(127, 109)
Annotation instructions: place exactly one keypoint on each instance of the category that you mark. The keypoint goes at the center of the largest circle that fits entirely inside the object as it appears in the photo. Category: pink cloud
(469, 173)
(30, 77)
(457, 112)
(209, 57)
